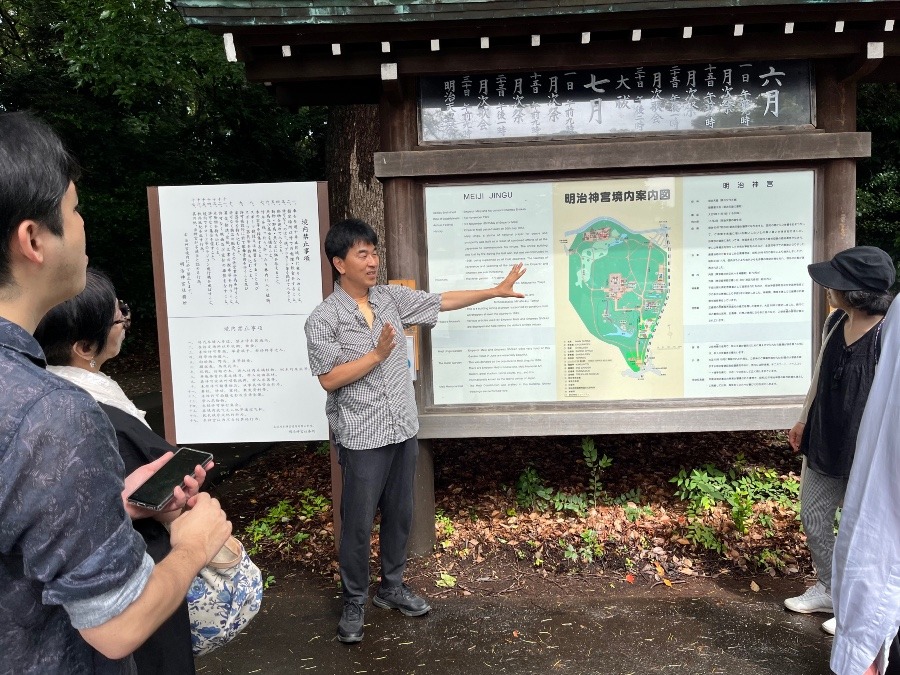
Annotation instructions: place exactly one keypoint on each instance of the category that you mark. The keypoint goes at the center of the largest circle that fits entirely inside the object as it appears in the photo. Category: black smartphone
(157, 491)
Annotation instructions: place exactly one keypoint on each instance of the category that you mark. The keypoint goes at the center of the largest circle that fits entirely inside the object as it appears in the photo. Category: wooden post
(399, 131)
(836, 111)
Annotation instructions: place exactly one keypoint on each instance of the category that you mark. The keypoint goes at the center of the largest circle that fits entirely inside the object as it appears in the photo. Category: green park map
(619, 285)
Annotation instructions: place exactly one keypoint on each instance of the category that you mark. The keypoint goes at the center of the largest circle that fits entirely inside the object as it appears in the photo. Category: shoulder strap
(833, 319)
(878, 340)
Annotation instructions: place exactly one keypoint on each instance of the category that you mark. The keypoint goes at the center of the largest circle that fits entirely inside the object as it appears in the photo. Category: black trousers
(894, 657)
(380, 478)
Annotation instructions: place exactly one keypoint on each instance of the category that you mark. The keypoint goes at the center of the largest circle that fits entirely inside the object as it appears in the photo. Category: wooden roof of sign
(348, 12)
(349, 49)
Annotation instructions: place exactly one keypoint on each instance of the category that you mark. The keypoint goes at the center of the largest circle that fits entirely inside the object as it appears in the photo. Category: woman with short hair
(857, 283)
(78, 337)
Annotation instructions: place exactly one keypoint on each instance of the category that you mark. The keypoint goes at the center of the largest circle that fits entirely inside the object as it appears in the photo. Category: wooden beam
(836, 115)
(391, 84)
(625, 153)
(613, 418)
(559, 56)
(864, 64)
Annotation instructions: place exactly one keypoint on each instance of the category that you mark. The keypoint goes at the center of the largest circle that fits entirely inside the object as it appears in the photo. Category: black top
(168, 650)
(845, 378)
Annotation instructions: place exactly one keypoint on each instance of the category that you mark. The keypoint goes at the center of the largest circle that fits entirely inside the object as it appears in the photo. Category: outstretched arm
(458, 299)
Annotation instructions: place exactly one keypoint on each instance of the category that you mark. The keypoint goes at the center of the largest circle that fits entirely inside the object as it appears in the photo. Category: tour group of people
(94, 584)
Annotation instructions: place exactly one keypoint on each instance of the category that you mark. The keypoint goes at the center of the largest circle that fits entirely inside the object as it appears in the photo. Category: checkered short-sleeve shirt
(380, 407)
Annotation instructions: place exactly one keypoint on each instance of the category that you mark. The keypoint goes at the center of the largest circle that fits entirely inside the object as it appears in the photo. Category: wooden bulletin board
(237, 270)
(654, 303)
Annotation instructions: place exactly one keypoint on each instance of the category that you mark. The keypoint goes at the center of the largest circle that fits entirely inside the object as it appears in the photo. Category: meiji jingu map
(619, 285)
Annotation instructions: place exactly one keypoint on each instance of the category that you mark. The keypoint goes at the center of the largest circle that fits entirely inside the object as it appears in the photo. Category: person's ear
(339, 264)
(28, 241)
(84, 350)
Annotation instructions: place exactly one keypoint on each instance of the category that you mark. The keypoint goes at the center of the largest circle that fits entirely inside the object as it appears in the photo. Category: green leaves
(142, 99)
(878, 177)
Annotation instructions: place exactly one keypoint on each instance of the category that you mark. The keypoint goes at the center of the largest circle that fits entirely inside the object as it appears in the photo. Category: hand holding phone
(159, 490)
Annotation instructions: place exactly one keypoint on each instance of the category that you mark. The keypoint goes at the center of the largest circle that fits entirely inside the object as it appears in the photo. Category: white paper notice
(747, 314)
(242, 274)
(501, 350)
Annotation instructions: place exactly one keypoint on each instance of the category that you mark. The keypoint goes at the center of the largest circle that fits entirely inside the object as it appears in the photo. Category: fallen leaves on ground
(489, 544)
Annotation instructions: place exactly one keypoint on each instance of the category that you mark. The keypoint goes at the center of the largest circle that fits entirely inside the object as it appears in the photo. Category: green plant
(322, 449)
(569, 550)
(592, 547)
(595, 466)
(703, 535)
(741, 489)
(268, 528)
(312, 503)
(769, 560)
(576, 503)
(269, 581)
(589, 549)
(633, 495)
(636, 512)
(256, 531)
(283, 511)
(443, 525)
(531, 492)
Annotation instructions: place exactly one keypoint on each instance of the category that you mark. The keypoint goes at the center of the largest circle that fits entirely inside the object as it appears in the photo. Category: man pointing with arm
(357, 350)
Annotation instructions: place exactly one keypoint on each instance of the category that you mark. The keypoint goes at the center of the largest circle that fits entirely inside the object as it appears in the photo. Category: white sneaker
(830, 626)
(816, 599)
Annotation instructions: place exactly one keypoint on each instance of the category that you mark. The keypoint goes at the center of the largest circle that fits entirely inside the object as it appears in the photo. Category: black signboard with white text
(643, 99)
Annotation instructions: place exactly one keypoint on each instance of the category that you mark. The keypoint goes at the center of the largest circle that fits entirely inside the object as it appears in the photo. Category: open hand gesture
(386, 342)
(505, 288)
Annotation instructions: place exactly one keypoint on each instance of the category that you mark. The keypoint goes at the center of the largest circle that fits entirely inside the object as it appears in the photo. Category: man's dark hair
(343, 235)
(35, 172)
(870, 302)
(88, 316)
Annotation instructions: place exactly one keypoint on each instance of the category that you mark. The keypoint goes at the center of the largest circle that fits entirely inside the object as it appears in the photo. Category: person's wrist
(193, 555)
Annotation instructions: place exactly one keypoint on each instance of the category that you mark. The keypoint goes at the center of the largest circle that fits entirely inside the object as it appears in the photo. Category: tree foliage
(142, 99)
(878, 177)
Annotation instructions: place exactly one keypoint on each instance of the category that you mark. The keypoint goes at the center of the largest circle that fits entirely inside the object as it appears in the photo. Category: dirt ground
(491, 542)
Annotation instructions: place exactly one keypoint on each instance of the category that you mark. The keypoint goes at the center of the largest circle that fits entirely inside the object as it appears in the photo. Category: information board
(643, 99)
(241, 272)
(667, 287)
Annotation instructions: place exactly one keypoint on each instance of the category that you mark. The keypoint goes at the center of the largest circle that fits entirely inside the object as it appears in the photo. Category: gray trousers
(820, 497)
(380, 478)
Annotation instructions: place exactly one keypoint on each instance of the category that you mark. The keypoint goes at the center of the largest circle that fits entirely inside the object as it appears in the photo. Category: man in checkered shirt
(356, 348)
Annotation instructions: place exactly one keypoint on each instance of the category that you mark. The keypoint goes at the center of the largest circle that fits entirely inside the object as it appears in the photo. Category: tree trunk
(353, 191)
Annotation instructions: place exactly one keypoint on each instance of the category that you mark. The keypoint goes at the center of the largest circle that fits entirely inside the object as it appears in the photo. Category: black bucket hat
(861, 268)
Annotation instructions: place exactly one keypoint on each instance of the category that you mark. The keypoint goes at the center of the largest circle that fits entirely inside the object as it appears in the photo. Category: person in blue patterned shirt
(78, 593)
(356, 348)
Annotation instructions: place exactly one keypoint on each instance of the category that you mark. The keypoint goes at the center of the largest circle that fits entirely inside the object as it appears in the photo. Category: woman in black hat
(857, 283)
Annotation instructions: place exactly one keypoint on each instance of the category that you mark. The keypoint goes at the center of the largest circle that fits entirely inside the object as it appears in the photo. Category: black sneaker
(402, 598)
(350, 627)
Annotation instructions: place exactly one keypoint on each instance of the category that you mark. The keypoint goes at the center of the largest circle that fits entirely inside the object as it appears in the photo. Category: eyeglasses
(126, 315)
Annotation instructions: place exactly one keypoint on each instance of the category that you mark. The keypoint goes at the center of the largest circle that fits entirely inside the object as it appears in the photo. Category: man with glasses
(78, 593)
